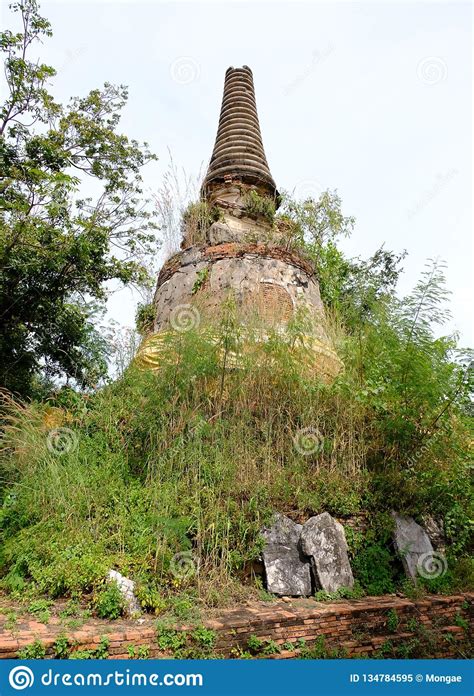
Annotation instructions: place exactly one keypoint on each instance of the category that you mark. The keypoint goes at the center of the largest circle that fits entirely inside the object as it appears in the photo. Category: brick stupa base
(360, 627)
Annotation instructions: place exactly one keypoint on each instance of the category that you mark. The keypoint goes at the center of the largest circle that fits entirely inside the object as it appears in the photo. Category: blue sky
(373, 99)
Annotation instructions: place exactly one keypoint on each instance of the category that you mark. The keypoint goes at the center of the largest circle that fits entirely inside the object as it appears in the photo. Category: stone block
(324, 541)
(287, 570)
(414, 546)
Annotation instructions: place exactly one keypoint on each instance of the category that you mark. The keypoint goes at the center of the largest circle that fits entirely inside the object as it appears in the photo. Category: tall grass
(194, 458)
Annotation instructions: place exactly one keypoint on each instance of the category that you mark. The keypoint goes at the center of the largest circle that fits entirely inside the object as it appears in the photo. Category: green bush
(109, 603)
(33, 651)
(373, 566)
(257, 206)
(171, 475)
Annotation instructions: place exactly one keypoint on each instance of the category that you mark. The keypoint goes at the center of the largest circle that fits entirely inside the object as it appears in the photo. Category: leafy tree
(351, 287)
(57, 246)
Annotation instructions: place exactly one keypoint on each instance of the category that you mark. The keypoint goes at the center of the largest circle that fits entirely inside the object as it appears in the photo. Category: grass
(169, 476)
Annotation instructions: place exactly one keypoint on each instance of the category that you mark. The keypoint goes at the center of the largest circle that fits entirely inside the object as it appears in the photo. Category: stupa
(241, 255)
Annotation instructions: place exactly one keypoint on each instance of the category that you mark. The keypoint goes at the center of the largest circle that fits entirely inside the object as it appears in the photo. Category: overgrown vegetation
(257, 206)
(170, 476)
(59, 246)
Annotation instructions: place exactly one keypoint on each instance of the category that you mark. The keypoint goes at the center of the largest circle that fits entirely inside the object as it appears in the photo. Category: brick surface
(359, 626)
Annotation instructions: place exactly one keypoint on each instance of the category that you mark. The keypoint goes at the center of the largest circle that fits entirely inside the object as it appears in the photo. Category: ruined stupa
(241, 253)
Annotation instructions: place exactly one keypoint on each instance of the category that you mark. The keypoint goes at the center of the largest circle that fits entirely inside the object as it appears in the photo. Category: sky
(371, 99)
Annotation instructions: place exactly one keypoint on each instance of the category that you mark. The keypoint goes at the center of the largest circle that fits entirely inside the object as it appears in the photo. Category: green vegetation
(11, 621)
(62, 648)
(319, 651)
(169, 476)
(196, 221)
(109, 603)
(355, 592)
(140, 484)
(58, 245)
(196, 644)
(40, 609)
(100, 653)
(257, 206)
(140, 652)
(392, 621)
(33, 651)
(200, 281)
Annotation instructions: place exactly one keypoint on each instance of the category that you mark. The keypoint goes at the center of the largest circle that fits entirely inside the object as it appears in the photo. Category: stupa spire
(238, 153)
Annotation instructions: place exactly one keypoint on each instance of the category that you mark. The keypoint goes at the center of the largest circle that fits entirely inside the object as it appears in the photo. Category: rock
(287, 571)
(413, 545)
(435, 530)
(127, 590)
(324, 541)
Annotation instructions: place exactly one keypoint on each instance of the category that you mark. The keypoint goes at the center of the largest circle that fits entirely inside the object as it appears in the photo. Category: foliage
(169, 639)
(355, 592)
(312, 225)
(373, 562)
(319, 651)
(392, 621)
(258, 206)
(40, 608)
(61, 647)
(201, 278)
(254, 643)
(196, 221)
(350, 287)
(190, 462)
(100, 653)
(57, 246)
(145, 318)
(204, 637)
(109, 603)
(33, 651)
(150, 598)
(140, 652)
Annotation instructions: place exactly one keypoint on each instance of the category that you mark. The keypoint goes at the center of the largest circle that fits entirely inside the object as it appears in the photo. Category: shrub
(172, 474)
(257, 206)
(109, 603)
(33, 651)
(373, 566)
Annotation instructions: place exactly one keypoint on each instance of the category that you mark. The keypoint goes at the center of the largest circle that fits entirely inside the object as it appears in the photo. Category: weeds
(34, 651)
(191, 462)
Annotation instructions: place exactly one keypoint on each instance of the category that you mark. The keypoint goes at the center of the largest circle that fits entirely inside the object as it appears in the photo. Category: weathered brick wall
(369, 627)
(360, 627)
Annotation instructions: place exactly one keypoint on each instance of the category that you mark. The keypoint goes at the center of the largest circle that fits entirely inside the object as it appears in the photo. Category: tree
(351, 287)
(58, 247)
